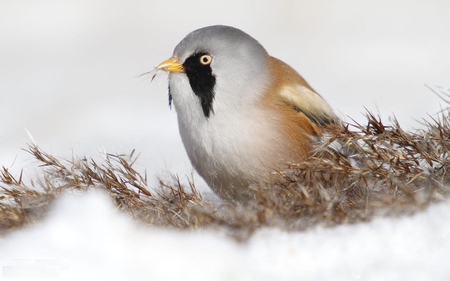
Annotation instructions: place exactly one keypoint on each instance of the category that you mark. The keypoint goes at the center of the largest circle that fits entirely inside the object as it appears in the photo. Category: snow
(69, 75)
(87, 238)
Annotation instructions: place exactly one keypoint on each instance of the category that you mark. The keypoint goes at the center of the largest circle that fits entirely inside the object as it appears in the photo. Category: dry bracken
(359, 172)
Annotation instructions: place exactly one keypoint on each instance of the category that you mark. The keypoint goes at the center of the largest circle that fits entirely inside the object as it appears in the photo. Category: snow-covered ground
(86, 238)
(69, 75)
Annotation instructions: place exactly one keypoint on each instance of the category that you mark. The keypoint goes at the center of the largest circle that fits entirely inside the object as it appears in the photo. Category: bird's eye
(205, 59)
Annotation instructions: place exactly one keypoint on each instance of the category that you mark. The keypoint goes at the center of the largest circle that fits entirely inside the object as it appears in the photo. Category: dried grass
(360, 172)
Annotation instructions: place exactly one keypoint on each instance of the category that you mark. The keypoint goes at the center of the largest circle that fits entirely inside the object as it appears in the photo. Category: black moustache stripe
(202, 82)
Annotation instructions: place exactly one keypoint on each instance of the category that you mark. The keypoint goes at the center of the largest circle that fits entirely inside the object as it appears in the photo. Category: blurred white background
(69, 70)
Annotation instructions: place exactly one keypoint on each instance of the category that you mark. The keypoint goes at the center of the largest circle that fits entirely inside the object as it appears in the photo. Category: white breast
(230, 148)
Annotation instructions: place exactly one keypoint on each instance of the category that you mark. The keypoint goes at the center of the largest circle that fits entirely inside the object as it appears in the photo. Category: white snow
(69, 75)
(87, 238)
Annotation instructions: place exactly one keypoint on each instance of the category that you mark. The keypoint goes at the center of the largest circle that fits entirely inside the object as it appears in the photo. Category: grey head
(225, 67)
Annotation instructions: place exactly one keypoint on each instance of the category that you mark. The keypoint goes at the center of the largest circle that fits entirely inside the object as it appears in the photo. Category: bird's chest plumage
(223, 138)
(231, 147)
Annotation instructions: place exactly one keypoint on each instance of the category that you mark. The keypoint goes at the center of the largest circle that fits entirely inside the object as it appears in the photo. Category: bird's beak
(171, 65)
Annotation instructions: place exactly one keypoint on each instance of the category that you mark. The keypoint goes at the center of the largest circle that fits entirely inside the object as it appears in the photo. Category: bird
(242, 114)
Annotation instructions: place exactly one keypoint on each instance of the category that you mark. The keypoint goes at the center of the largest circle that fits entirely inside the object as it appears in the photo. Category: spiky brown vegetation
(359, 172)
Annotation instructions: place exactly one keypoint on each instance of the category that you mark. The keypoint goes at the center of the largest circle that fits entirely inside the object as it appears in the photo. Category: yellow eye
(205, 59)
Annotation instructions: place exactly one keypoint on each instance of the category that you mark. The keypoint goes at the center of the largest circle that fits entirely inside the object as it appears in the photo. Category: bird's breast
(236, 146)
(235, 149)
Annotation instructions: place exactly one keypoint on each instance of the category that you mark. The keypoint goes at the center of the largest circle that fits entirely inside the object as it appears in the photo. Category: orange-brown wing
(292, 89)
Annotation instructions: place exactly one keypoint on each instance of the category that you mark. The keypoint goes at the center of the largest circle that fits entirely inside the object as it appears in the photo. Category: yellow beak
(171, 65)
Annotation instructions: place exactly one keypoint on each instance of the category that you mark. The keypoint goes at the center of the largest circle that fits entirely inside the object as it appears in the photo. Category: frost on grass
(359, 172)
